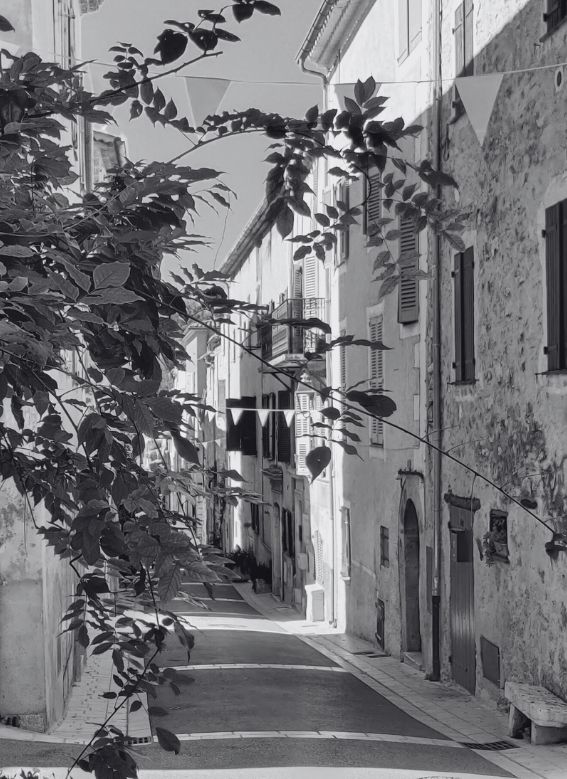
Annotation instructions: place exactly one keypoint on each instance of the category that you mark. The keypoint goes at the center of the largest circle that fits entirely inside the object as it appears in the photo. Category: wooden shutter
(468, 314)
(345, 542)
(414, 22)
(468, 41)
(408, 290)
(302, 431)
(310, 277)
(297, 291)
(344, 235)
(376, 377)
(459, 33)
(284, 432)
(373, 198)
(247, 426)
(553, 219)
(232, 430)
(343, 363)
(403, 48)
(458, 313)
(266, 429)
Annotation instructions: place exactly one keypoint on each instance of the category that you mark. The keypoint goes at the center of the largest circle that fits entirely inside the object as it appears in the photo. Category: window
(409, 26)
(241, 435)
(463, 276)
(345, 543)
(384, 546)
(255, 517)
(380, 622)
(555, 12)
(490, 656)
(373, 201)
(284, 432)
(464, 57)
(343, 243)
(268, 429)
(408, 289)
(495, 542)
(556, 283)
(288, 532)
(376, 377)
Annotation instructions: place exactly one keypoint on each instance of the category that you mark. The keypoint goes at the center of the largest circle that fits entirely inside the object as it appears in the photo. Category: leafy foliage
(89, 329)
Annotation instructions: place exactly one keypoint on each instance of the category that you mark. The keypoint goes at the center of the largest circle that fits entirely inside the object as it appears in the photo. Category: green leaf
(16, 251)
(186, 449)
(112, 274)
(5, 25)
(242, 12)
(284, 221)
(331, 412)
(267, 8)
(114, 295)
(168, 740)
(317, 460)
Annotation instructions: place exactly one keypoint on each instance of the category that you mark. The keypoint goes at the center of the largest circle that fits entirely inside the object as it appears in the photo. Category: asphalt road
(275, 702)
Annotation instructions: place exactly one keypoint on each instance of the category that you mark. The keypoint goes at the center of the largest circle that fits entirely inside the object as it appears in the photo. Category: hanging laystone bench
(546, 712)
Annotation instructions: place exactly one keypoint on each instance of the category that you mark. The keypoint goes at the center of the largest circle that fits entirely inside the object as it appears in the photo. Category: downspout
(436, 358)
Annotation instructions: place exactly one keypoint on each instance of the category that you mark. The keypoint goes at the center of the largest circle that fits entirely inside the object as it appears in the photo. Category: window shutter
(376, 377)
(468, 314)
(344, 235)
(373, 198)
(402, 29)
(232, 430)
(247, 426)
(408, 290)
(553, 283)
(345, 543)
(458, 297)
(310, 277)
(343, 363)
(468, 38)
(302, 431)
(414, 22)
(459, 34)
(266, 429)
(297, 280)
(284, 432)
(563, 271)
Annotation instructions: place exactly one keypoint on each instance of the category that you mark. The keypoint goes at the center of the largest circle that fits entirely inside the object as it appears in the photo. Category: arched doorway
(411, 579)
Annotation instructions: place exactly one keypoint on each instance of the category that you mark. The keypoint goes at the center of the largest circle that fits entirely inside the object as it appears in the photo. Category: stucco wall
(511, 423)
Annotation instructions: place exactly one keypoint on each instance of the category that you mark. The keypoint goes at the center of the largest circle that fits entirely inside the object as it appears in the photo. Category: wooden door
(463, 645)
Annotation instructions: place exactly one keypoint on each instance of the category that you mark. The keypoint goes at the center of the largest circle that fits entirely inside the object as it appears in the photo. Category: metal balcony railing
(289, 340)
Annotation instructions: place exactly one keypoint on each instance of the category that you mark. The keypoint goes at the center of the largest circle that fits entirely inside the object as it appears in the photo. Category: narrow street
(263, 699)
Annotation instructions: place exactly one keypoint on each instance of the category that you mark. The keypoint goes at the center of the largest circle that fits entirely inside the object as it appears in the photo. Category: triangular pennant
(342, 91)
(289, 415)
(236, 414)
(205, 96)
(478, 95)
(263, 414)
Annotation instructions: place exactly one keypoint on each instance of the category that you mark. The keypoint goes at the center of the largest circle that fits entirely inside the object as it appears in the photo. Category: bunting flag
(236, 413)
(205, 96)
(263, 414)
(289, 415)
(478, 95)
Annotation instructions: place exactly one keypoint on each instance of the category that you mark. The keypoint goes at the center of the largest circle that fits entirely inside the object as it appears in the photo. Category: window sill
(377, 452)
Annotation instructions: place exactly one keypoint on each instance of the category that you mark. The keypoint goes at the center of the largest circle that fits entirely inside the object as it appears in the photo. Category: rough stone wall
(510, 424)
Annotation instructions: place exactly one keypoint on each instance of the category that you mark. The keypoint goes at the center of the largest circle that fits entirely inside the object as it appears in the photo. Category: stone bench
(546, 712)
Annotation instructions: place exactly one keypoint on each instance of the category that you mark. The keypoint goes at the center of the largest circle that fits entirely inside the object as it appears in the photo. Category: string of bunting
(263, 414)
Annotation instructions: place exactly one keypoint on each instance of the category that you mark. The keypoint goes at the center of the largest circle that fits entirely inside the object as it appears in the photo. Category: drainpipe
(436, 358)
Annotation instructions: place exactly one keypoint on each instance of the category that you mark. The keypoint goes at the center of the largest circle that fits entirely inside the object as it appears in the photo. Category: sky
(266, 53)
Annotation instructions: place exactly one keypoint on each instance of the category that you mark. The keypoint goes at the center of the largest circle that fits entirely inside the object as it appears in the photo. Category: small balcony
(288, 344)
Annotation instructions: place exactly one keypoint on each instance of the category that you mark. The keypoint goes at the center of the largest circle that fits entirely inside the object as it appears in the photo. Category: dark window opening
(285, 401)
(384, 546)
(241, 436)
(345, 543)
(463, 276)
(556, 285)
(495, 542)
(380, 622)
(490, 655)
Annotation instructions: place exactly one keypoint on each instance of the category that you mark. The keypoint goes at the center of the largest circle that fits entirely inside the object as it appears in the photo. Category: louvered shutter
(232, 430)
(459, 40)
(468, 55)
(468, 314)
(272, 425)
(311, 269)
(284, 432)
(247, 426)
(555, 11)
(553, 218)
(414, 22)
(266, 429)
(373, 198)
(344, 235)
(376, 377)
(408, 290)
(458, 298)
(402, 29)
(343, 363)
(302, 431)
(297, 280)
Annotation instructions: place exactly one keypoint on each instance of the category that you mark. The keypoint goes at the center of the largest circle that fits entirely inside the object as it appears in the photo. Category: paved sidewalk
(443, 707)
